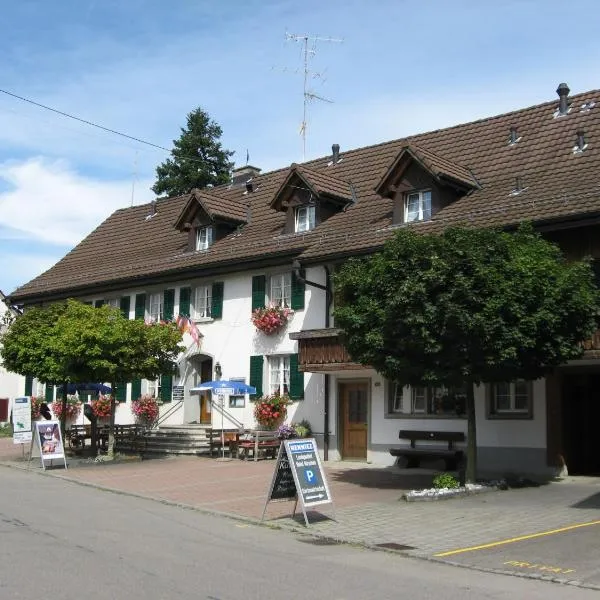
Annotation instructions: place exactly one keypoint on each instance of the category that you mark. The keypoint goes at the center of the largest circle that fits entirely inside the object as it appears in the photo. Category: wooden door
(205, 407)
(354, 411)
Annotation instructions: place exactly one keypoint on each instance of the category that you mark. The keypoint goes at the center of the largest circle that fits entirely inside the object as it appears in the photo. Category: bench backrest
(433, 436)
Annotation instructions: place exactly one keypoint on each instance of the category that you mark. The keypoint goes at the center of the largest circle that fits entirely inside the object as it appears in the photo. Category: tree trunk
(471, 473)
(111, 426)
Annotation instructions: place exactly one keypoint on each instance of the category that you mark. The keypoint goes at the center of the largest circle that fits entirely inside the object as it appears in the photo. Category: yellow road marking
(523, 564)
(517, 539)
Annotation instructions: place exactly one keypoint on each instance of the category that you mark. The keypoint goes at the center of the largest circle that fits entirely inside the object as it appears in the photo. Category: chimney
(514, 136)
(243, 174)
(563, 93)
(335, 151)
(580, 144)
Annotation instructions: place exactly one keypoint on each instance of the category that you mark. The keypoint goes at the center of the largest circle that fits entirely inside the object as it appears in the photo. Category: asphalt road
(62, 540)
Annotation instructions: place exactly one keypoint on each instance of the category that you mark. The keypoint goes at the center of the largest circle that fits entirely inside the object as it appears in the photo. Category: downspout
(328, 301)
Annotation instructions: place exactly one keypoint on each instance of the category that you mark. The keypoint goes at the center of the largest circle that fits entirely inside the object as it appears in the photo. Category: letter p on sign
(310, 475)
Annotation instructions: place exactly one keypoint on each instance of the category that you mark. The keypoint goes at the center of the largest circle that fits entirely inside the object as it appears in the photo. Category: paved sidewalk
(369, 509)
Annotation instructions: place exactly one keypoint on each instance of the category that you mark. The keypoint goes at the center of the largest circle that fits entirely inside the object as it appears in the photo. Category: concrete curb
(302, 530)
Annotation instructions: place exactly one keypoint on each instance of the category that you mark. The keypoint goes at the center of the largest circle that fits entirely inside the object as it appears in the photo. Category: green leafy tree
(198, 159)
(75, 342)
(465, 307)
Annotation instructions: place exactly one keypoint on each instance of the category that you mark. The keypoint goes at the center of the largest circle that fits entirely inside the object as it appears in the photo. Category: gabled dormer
(421, 183)
(208, 217)
(309, 198)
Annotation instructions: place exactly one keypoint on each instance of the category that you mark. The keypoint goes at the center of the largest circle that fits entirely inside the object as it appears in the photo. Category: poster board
(22, 433)
(299, 476)
(48, 439)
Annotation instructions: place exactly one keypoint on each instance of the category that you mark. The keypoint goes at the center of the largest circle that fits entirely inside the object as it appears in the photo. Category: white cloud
(50, 201)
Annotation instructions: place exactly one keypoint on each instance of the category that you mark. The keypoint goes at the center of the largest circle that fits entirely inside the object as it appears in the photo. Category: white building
(217, 254)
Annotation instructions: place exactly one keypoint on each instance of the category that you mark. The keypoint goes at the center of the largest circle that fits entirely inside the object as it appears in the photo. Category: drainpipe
(328, 301)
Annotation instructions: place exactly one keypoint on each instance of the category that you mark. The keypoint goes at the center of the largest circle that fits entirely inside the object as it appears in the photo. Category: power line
(64, 114)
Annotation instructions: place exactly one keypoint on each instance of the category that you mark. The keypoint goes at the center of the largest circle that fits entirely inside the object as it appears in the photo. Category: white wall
(11, 384)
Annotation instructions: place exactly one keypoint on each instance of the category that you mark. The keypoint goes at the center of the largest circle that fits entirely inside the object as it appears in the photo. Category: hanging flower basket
(101, 406)
(271, 319)
(271, 411)
(145, 409)
(73, 409)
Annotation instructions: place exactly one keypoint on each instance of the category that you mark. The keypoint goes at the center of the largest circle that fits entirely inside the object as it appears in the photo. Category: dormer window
(305, 218)
(204, 237)
(417, 206)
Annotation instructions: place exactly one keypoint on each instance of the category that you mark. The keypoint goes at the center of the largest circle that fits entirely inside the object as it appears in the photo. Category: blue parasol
(86, 387)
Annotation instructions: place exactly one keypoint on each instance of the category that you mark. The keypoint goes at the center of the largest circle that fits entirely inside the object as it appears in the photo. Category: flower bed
(270, 411)
(271, 319)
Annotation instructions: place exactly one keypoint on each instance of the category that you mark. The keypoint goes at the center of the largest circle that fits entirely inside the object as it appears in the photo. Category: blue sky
(140, 66)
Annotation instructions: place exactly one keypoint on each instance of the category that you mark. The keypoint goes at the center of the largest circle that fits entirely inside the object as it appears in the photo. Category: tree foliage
(75, 342)
(198, 159)
(465, 307)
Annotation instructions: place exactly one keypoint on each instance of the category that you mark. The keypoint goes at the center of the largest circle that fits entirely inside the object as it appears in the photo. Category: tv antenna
(308, 93)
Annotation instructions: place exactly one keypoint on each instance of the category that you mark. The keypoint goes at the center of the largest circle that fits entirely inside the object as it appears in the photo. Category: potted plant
(270, 319)
(286, 432)
(271, 411)
(302, 429)
(73, 408)
(145, 409)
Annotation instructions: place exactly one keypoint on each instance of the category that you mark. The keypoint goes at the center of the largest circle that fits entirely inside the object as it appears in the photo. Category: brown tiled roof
(558, 184)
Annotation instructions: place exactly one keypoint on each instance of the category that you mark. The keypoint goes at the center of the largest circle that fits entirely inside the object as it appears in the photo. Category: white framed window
(417, 206)
(155, 307)
(280, 289)
(305, 218)
(279, 374)
(202, 302)
(427, 401)
(154, 387)
(113, 302)
(513, 399)
(204, 237)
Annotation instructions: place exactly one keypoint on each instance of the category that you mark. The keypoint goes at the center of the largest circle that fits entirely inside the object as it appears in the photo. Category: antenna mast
(308, 94)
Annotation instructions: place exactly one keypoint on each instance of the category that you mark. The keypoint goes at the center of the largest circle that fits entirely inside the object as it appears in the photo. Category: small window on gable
(204, 237)
(305, 218)
(280, 289)
(417, 206)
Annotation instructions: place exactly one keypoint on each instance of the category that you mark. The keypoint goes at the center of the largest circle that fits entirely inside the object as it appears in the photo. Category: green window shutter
(136, 389)
(121, 392)
(124, 305)
(259, 286)
(256, 374)
(168, 304)
(166, 387)
(216, 309)
(296, 379)
(99, 303)
(49, 395)
(140, 306)
(185, 295)
(28, 385)
(298, 291)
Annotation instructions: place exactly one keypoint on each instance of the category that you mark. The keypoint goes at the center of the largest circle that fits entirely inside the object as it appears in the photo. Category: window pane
(501, 393)
(311, 217)
(397, 397)
(419, 399)
(521, 396)
(285, 368)
(276, 295)
(155, 309)
(287, 289)
(426, 206)
(412, 208)
(301, 218)
(202, 302)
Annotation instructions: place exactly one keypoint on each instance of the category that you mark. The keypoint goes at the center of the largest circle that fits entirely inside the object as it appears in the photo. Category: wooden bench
(77, 435)
(130, 437)
(452, 456)
(230, 442)
(265, 443)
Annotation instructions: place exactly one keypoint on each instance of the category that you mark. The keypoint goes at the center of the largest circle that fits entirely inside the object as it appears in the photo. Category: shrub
(445, 480)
